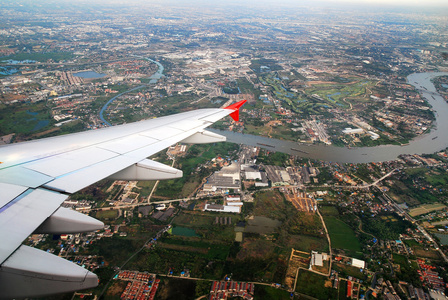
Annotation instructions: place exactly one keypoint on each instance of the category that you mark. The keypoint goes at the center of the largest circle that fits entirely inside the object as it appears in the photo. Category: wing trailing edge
(37, 176)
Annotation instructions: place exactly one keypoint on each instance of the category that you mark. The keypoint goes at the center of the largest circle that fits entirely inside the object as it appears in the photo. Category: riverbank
(434, 141)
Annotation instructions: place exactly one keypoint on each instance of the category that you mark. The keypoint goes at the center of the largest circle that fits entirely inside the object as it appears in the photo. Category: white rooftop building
(253, 175)
(223, 208)
(358, 263)
(352, 130)
(317, 259)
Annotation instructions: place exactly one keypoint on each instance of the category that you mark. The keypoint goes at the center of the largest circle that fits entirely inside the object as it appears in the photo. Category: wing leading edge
(37, 176)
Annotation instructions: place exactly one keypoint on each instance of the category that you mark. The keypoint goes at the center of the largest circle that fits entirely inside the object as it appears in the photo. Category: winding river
(153, 79)
(432, 142)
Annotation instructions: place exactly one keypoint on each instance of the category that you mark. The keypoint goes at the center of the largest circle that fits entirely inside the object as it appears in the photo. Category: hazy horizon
(403, 4)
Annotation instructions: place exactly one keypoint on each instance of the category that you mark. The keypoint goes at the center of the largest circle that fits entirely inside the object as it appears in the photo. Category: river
(156, 76)
(432, 142)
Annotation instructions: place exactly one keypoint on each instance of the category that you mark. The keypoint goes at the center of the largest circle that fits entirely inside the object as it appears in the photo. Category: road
(365, 186)
(137, 204)
(413, 221)
(198, 198)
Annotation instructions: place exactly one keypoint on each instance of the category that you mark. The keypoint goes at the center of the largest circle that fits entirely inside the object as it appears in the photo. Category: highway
(123, 206)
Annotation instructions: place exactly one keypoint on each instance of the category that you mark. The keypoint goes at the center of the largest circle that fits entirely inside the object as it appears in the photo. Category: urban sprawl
(245, 221)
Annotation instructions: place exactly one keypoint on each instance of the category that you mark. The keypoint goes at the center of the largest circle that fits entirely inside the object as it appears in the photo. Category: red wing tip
(236, 105)
(236, 109)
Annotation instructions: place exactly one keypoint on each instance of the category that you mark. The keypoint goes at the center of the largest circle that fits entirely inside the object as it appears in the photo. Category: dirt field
(117, 288)
(426, 208)
(431, 254)
(300, 201)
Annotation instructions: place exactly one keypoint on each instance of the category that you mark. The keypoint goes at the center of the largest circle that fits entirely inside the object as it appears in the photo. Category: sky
(438, 7)
(385, 3)
(407, 3)
(403, 3)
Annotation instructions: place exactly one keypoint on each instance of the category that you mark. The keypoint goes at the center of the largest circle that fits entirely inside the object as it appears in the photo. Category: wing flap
(9, 192)
(23, 177)
(21, 216)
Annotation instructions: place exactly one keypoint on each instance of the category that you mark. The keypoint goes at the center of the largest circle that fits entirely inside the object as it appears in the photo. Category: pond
(41, 124)
(89, 74)
(184, 231)
(443, 238)
(8, 71)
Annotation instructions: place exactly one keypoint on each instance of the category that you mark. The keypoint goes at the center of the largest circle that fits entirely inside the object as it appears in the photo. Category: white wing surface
(37, 176)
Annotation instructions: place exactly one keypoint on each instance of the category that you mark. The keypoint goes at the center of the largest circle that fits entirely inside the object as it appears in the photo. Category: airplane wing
(37, 176)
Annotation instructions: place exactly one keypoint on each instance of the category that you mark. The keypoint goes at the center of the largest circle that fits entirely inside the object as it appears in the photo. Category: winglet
(236, 107)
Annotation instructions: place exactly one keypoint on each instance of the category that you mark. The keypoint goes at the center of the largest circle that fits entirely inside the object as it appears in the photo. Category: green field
(341, 235)
(430, 190)
(328, 210)
(179, 257)
(183, 231)
(210, 250)
(411, 243)
(342, 93)
(400, 259)
(107, 214)
(24, 118)
(313, 285)
(271, 204)
(435, 177)
(262, 292)
(305, 243)
(145, 188)
(204, 224)
(347, 270)
(194, 219)
(41, 57)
